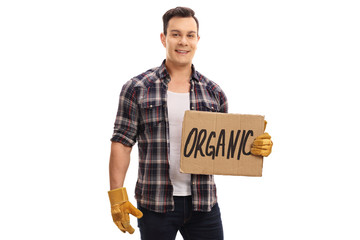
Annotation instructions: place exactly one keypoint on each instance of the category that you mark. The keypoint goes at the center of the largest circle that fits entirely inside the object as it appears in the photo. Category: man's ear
(162, 38)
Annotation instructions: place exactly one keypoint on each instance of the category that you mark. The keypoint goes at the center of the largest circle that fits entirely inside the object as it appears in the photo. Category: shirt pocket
(152, 115)
(208, 105)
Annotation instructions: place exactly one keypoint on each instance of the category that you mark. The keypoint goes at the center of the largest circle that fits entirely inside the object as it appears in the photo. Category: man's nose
(183, 41)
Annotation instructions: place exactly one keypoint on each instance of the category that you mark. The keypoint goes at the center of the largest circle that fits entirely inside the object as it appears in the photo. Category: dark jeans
(192, 225)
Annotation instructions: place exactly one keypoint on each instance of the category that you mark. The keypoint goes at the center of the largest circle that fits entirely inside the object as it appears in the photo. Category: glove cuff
(118, 196)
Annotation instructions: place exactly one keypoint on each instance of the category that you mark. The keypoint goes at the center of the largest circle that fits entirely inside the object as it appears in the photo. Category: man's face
(180, 41)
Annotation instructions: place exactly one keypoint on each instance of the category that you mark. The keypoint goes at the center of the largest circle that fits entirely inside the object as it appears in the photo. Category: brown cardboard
(206, 134)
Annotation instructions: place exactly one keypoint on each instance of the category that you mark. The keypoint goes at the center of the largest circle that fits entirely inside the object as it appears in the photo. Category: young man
(151, 110)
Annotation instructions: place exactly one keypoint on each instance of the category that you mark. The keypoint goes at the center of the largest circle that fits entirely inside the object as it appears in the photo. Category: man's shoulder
(145, 79)
(208, 83)
(148, 77)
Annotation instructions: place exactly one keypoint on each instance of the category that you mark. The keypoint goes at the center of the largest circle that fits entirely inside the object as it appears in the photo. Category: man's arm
(120, 205)
(119, 164)
(124, 137)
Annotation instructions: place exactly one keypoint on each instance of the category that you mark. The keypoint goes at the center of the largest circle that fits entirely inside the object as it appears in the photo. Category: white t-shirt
(177, 104)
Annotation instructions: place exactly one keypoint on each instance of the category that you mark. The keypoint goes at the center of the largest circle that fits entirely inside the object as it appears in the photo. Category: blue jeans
(192, 225)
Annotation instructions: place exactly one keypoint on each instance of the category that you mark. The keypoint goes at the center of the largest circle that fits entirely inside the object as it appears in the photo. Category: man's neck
(179, 73)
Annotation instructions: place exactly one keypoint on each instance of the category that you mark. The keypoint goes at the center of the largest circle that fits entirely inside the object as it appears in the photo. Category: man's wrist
(118, 195)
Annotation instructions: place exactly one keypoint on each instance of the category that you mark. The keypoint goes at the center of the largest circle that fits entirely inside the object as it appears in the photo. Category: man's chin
(180, 63)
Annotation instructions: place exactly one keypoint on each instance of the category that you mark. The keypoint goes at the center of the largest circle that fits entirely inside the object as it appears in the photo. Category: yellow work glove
(262, 145)
(120, 209)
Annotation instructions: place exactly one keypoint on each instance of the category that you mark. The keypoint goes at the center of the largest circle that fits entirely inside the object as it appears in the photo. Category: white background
(62, 65)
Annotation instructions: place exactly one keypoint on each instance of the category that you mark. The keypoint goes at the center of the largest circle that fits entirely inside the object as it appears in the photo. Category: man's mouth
(181, 51)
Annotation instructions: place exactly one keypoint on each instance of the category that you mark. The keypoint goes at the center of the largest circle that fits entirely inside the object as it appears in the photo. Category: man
(151, 109)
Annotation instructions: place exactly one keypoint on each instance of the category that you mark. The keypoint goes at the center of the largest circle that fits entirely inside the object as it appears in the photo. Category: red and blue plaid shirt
(142, 116)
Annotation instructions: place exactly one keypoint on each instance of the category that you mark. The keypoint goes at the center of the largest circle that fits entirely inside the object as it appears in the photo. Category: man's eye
(191, 36)
(175, 35)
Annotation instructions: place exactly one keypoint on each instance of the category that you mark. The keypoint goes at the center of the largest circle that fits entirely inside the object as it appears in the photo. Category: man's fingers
(134, 211)
(262, 145)
(261, 152)
(125, 227)
(262, 142)
(120, 226)
(264, 136)
(128, 227)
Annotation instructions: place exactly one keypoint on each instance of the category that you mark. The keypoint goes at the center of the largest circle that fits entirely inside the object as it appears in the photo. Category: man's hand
(262, 145)
(120, 209)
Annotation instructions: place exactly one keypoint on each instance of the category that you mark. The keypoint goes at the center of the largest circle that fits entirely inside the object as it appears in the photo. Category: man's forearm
(119, 163)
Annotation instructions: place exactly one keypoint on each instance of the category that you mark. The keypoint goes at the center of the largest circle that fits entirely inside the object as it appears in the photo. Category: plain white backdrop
(62, 65)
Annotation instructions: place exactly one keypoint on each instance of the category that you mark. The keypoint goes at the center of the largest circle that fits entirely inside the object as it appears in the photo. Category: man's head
(180, 36)
(183, 12)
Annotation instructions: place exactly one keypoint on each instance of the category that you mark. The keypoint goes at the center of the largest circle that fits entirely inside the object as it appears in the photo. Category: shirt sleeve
(223, 102)
(126, 122)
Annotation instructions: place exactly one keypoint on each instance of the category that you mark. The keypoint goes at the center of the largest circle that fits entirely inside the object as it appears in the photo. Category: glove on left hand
(262, 145)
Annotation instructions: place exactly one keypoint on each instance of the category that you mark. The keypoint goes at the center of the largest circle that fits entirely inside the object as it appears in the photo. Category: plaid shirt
(142, 116)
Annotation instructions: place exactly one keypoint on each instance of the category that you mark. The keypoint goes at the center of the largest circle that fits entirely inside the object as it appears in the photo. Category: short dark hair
(178, 12)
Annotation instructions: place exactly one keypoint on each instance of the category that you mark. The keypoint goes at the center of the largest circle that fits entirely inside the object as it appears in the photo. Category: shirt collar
(164, 75)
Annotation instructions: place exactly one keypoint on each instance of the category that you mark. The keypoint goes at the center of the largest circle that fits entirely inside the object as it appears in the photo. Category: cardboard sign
(219, 143)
